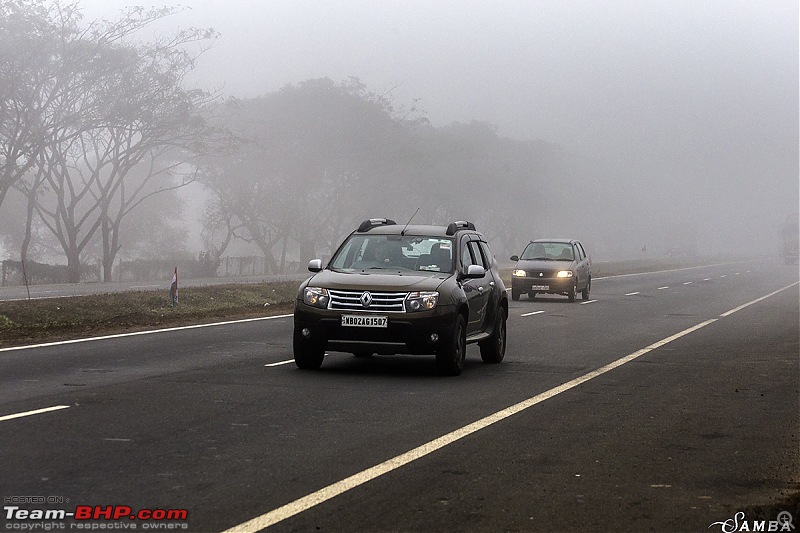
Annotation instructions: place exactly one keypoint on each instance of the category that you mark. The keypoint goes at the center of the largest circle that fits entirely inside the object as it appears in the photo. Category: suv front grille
(380, 301)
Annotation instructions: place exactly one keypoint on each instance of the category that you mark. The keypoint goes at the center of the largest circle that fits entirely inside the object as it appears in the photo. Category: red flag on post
(173, 289)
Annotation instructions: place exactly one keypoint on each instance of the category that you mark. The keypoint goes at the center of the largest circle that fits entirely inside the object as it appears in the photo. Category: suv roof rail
(372, 222)
(459, 224)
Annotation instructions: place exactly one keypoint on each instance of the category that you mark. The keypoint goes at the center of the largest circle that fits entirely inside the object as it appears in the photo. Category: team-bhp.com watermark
(20, 514)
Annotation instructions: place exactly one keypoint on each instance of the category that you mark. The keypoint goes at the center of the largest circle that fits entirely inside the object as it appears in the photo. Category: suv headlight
(421, 301)
(564, 274)
(316, 297)
(519, 273)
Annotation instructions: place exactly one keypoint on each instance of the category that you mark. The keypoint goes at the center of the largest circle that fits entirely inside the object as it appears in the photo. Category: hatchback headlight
(316, 297)
(519, 273)
(421, 301)
(564, 274)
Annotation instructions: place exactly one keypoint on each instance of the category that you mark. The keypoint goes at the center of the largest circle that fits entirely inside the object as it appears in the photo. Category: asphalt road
(668, 402)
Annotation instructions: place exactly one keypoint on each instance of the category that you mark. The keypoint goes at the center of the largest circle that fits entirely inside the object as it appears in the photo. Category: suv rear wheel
(450, 358)
(494, 348)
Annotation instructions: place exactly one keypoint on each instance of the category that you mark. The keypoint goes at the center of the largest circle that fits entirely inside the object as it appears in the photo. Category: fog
(686, 111)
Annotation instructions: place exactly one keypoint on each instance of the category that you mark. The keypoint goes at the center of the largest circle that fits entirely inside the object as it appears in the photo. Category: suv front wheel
(308, 354)
(450, 358)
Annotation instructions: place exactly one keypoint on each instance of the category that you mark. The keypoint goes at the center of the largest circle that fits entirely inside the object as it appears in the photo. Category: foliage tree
(309, 155)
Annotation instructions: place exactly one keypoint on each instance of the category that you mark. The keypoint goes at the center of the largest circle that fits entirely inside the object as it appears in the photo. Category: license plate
(540, 287)
(365, 321)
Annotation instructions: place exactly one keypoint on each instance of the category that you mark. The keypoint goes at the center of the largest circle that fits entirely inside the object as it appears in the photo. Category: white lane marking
(532, 313)
(724, 276)
(706, 279)
(281, 363)
(40, 298)
(36, 412)
(135, 333)
(588, 302)
(335, 489)
(669, 270)
(662, 288)
(632, 293)
(735, 309)
(688, 283)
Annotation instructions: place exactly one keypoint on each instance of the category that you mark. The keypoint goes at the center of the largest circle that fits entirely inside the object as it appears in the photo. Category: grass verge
(35, 321)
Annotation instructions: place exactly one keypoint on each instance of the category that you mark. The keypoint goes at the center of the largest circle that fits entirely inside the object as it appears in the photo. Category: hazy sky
(695, 101)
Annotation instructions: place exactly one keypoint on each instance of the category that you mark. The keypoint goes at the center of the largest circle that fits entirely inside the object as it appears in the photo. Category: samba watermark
(783, 522)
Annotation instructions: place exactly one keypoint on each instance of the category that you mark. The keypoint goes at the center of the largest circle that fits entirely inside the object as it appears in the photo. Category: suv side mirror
(474, 271)
(515, 258)
(315, 265)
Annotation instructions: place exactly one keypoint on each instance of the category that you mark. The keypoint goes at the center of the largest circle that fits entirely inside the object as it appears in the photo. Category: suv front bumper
(419, 333)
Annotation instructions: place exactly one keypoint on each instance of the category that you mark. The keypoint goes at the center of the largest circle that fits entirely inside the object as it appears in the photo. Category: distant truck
(790, 236)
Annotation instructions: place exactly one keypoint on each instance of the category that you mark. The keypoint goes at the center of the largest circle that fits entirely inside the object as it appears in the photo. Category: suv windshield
(553, 251)
(365, 252)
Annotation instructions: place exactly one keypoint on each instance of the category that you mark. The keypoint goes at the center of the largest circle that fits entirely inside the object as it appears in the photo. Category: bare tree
(100, 107)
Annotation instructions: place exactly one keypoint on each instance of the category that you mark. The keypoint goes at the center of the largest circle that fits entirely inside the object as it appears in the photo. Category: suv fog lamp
(564, 274)
(519, 273)
(421, 301)
(316, 297)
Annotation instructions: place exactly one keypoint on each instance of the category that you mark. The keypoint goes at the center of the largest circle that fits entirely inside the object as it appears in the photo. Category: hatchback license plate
(361, 321)
(540, 287)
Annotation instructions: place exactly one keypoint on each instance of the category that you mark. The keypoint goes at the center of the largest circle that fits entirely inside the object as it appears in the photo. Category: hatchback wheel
(585, 291)
(573, 291)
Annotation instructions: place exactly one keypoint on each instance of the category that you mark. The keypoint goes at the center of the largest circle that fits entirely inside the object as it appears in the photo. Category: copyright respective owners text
(60, 513)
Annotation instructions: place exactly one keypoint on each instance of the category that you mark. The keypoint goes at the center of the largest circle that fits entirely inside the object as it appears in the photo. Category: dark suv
(391, 289)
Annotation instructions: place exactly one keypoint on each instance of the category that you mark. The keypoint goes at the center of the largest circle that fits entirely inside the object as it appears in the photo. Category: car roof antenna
(403, 233)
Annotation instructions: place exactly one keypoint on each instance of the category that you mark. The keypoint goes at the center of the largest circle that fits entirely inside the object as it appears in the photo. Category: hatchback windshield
(553, 251)
(392, 252)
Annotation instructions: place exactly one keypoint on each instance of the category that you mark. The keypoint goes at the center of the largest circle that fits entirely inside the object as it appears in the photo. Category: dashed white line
(706, 279)
(281, 363)
(662, 288)
(588, 302)
(688, 283)
(532, 313)
(632, 293)
(724, 276)
(35, 412)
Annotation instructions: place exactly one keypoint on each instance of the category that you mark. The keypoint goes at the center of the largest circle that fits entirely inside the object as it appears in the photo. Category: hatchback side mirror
(515, 258)
(315, 265)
